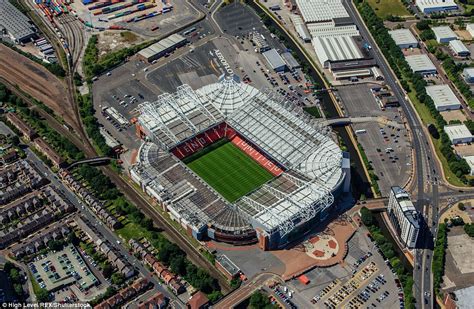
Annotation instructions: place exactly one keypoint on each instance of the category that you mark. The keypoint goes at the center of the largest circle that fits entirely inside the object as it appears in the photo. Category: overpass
(90, 161)
(344, 121)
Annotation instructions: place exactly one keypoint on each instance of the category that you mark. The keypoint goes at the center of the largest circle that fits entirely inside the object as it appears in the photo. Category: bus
(361, 131)
(189, 31)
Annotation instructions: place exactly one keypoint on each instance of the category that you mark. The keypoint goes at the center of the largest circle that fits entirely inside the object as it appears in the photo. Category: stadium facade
(309, 168)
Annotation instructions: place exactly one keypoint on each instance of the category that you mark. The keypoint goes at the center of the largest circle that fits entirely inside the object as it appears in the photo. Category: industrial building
(329, 29)
(468, 74)
(421, 64)
(300, 27)
(404, 38)
(337, 48)
(458, 134)
(321, 10)
(274, 60)
(444, 34)
(162, 47)
(470, 162)
(459, 49)
(404, 217)
(18, 27)
(443, 98)
(435, 6)
(290, 61)
(470, 29)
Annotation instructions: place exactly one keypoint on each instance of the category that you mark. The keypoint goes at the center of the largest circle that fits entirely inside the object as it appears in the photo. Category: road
(105, 231)
(427, 171)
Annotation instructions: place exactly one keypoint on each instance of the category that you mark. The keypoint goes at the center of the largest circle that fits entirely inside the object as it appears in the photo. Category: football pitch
(230, 171)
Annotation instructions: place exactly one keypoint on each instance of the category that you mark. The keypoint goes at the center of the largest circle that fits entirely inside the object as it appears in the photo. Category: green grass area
(132, 230)
(427, 118)
(313, 111)
(230, 171)
(385, 8)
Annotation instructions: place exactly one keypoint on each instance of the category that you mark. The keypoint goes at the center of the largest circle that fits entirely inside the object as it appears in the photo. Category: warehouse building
(444, 34)
(162, 47)
(421, 64)
(470, 162)
(470, 29)
(15, 24)
(338, 48)
(458, 134)
(468, 74)
(459, 49)
(321, 10)
(290, 61)
(300, 27)
(443, 97)
(404, 217)
(434, 6)
(274, 60)
(404, 38)
(329, 29)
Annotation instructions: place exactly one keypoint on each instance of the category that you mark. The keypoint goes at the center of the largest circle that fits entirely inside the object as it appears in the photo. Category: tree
(461, 206)
(259, 300)
(366, 216)
(107, 270)
(18, 289)
(117, 278)
(42, 295)
(15, 275)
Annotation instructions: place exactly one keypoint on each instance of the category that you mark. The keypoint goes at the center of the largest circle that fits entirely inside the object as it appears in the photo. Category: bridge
(90, 161)
(344, 121)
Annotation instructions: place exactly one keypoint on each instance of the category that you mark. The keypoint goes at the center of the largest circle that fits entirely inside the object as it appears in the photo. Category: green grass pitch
(230, 171)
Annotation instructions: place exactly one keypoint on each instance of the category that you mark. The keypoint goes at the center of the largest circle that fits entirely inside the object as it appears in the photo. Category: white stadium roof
(403, 37)
(321, 10)
(420, 63)
(312, 161)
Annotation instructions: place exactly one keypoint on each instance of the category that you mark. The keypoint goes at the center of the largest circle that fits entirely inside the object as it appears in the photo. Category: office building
(404, 217)
(444, 34)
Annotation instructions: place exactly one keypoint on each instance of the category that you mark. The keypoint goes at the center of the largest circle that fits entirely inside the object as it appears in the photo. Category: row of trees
(439, 255)
(454, 70)
(60, 143)
(397, 61)
(54, 68)
(388, 251)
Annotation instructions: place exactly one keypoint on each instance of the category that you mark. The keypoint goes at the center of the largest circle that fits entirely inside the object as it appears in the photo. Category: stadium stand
(298, 150)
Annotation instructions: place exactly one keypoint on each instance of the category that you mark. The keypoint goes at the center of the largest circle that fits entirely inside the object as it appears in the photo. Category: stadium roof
(442, 95)
(312, 160)
(443, 33)
(420, 63)
(403, 37)
(336, 49)
(16, 23)
(321, 10)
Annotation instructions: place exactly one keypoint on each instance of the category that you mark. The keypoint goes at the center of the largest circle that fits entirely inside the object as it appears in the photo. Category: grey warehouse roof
(420, 63)
(17, 25)
(403, 37)
(162, 45)
(336, 48)
(443, 32)
(321, 10)
(458, 46)
(274, 59)
(442, 95)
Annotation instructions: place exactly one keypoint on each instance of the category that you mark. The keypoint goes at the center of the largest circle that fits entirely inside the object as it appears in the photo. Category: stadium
(238, 165)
